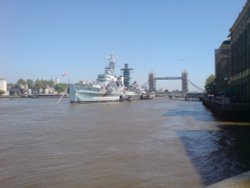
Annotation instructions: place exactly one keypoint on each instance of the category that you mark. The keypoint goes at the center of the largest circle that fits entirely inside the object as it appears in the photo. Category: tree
(21, 82)
(50, 83)
(210, 79)
(30, 83)
(210, 84)
(61, 87)
(37, 86)
(1, 92)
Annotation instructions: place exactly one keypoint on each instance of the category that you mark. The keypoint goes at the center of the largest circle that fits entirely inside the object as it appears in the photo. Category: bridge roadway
(168, 78)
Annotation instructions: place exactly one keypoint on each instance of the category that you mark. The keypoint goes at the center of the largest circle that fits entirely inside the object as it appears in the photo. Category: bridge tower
(151, 82)
(126, 75)
(184, 79)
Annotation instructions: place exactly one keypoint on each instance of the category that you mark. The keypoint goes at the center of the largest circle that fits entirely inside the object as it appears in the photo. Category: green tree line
(38, 84)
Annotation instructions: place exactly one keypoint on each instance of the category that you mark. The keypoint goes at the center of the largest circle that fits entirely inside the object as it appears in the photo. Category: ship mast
(111, 60)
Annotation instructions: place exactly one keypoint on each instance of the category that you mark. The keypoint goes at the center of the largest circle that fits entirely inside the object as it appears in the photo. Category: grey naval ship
(107, 87)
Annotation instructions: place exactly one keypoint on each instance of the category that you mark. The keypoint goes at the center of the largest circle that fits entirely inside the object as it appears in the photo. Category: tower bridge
(184, 81)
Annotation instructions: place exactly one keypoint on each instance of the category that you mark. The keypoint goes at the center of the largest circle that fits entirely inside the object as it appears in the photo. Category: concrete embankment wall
(240, 181)
(227, 108)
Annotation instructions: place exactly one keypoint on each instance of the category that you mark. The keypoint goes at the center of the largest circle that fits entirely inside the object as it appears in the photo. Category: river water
(152, 143)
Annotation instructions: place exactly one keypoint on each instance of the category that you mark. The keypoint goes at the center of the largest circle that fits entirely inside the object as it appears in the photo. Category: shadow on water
(232, 118)
(197, 112)
(218, 155)
(196, 115)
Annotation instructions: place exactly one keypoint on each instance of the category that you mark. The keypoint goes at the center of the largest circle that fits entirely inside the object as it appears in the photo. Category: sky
(43, 39)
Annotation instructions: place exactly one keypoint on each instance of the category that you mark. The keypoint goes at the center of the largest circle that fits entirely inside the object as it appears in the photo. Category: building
(3, 86)
(239, 81)
(223, 66)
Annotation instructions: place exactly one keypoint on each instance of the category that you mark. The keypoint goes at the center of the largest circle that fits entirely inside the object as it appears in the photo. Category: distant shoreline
(8, 96)
(30, 96)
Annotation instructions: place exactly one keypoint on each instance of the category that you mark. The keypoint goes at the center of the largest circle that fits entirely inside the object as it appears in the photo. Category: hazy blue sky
(44, 38)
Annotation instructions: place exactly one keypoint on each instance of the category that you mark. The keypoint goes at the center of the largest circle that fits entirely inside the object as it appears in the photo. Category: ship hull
(81, 94)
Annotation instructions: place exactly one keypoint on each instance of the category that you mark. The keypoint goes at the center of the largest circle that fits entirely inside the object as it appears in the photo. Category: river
(137, 144)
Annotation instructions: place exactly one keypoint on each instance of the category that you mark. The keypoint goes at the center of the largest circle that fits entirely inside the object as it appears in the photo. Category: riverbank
(222, 107)
(239, 181)
(31, 96)
(9, 96)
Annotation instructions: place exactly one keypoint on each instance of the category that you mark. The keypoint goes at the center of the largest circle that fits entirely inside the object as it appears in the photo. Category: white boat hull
(79, 94)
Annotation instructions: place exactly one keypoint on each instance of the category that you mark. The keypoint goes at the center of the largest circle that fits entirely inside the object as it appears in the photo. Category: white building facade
(3, 86)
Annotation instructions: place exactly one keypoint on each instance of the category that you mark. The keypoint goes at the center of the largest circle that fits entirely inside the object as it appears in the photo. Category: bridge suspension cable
(195, 86)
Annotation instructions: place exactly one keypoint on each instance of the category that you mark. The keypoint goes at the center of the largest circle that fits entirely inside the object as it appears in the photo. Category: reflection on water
(218, 155)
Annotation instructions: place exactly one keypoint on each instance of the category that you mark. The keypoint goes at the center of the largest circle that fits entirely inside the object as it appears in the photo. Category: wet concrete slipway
(154, 143)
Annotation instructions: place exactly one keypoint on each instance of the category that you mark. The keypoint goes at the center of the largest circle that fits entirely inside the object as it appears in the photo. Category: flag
(65, 74)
